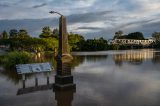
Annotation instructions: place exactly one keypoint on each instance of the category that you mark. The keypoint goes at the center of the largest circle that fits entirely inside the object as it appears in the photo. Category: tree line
(48, 40)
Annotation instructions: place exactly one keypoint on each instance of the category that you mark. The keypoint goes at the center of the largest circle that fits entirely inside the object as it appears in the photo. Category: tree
(46, 32)
(156, 36)
(4, 35)
(55, 33)
(13, 33)
(95, 45)
(23, 34)
(118, 34)
(135, 35)
(75, 41)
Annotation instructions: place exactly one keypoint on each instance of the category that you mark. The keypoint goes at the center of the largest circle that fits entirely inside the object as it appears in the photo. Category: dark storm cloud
(90, 17)
(33, 26)
(90, 28)
(38, 6)
(4, 5)
(146, 27)
(140, 23)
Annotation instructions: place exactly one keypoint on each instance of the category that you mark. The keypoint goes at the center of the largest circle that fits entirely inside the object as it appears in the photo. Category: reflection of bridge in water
(134, 56)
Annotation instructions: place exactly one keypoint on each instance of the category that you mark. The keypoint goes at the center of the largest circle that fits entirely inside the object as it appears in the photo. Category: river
(107, 78)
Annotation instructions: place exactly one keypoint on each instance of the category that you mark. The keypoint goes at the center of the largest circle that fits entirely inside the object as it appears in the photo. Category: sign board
(33, 68)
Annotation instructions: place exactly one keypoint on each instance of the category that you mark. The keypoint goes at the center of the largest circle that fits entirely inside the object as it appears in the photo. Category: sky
(91, 18)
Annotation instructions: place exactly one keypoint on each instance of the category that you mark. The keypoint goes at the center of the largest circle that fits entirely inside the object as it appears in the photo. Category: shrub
(11, 59)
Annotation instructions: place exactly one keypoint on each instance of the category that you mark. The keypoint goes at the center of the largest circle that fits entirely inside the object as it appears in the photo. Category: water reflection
(135, 57)
(96, 58)
(156, 57)
(100, 82)
(64, 97)
(77, 60)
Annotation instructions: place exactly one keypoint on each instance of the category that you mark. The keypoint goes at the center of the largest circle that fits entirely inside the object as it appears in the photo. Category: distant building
(145, 42)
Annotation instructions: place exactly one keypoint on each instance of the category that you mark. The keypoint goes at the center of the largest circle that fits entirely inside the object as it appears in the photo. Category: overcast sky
(93, 18)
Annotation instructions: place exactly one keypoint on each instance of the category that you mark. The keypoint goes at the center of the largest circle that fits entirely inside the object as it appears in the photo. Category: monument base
(63, 82)
(64, 86)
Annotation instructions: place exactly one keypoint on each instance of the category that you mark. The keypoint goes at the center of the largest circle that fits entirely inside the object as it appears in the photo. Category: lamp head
(52, 12)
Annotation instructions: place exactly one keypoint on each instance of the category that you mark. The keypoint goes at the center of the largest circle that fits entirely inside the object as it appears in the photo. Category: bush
(11, 59)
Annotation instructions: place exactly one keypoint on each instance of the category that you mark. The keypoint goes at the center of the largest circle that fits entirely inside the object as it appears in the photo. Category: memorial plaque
(33, 68)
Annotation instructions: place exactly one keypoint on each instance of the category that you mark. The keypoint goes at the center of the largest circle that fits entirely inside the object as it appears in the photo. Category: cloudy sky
(92, 18)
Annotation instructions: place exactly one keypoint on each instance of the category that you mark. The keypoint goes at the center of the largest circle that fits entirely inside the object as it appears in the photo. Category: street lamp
(63, 36)
(63, 78)
(54, 12)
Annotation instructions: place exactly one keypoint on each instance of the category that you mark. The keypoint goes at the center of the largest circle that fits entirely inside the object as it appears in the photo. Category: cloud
(4, 5)
(91, 28)
(89, 17)
(41, 5)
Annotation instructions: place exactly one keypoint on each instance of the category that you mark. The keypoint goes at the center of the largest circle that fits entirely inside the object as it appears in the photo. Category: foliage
(118, 34)
(55, 33)
(23, 44)
(11, 59)
(75, 41)
(4, 35)
(94, 45)
(118, 47)
(135, 35)
(13, 33)
(23, 34)
(50, 43)
(46, 32)
(156, 36)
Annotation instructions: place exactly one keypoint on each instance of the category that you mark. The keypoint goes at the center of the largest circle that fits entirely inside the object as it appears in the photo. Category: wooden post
(23, 80)
(36, 80)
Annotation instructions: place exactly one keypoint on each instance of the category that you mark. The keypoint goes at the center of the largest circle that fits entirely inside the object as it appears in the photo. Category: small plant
(11, 59)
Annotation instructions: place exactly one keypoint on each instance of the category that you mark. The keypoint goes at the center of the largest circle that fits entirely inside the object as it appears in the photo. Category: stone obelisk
(63, 78)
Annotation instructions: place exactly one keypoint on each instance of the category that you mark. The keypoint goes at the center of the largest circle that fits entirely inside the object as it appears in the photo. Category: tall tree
(55, 33)
(118, 34)
(23, 34)
(135, 35)
(4, 35)
(75, 41)
(46, 32)
(13, 33)
(156, 36)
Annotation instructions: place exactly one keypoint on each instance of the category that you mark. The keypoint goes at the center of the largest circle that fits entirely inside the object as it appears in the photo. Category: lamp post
(54, 12)
(63, 78)
(63, 50)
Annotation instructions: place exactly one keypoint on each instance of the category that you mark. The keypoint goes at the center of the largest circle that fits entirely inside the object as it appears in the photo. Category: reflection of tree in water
(77, 60)
(118, 62)
(12, 75)
(96, 58)
(156, 57)
(45, 57)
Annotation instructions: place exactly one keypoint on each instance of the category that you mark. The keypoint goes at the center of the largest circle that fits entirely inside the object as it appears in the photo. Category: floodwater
(108, 78)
